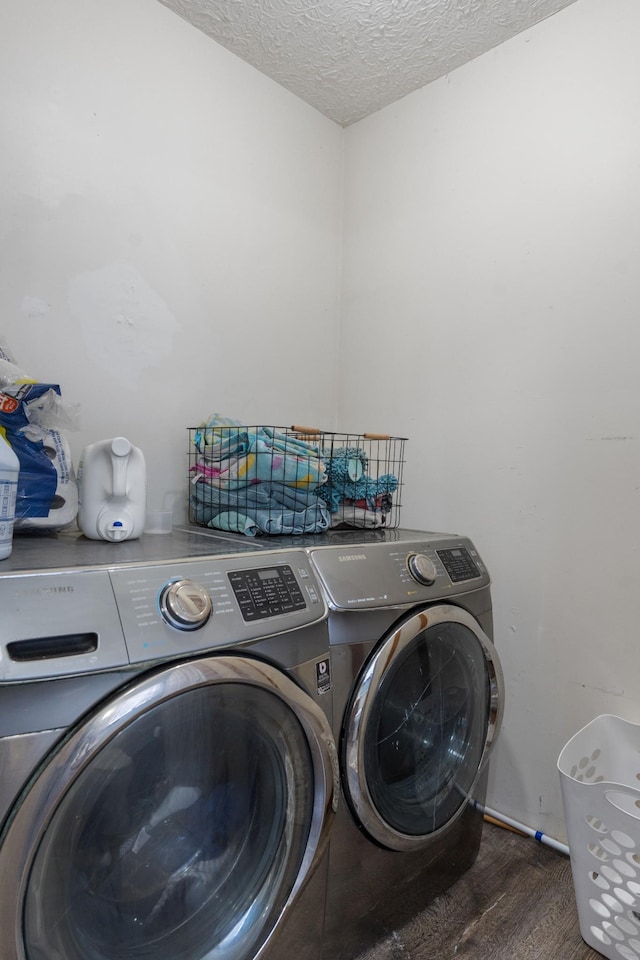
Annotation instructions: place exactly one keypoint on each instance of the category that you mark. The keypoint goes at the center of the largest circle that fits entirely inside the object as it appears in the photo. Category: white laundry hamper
(600, 779)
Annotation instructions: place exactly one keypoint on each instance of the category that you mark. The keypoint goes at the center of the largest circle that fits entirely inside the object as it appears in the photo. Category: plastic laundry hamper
(600, 778)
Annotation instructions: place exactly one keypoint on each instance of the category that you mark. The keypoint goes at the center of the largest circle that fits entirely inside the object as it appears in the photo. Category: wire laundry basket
(274, 480)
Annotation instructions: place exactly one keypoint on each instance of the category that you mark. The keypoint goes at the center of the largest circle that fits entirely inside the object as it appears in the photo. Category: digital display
(268, 574)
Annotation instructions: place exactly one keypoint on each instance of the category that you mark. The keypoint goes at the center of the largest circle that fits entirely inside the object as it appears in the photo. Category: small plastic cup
(158, 521)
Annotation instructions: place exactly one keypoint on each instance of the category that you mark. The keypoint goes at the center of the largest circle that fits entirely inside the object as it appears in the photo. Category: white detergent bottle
(112, 488)
(9, 470)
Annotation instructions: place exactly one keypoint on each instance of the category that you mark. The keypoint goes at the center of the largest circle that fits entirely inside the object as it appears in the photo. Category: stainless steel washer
(168, 774)
(418, 701)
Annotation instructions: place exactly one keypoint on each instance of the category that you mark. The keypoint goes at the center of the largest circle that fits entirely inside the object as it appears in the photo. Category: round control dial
(185, 604)
(422, 568)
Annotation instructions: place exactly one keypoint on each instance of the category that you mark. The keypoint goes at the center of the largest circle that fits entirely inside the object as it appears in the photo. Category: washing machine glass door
(177, 821)
(423, 715)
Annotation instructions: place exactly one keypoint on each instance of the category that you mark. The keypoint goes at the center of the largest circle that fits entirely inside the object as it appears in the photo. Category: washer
(418, 701)
(168, 773)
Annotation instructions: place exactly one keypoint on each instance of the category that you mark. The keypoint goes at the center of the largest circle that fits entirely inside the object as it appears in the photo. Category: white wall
(169, 238)
(490, 310)
(170, 245)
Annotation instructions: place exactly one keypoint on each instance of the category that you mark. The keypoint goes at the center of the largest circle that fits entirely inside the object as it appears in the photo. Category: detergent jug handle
(120, 449)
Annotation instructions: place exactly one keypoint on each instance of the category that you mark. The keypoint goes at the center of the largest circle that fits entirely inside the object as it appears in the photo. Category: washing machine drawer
(181, 818)
(423, 715)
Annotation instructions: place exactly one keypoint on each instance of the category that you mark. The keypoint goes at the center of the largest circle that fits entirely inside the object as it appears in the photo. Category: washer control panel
(392, 574)
(67, 622)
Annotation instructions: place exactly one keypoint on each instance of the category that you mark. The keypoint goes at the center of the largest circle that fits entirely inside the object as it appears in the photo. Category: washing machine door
(417, 732)
(179, 820)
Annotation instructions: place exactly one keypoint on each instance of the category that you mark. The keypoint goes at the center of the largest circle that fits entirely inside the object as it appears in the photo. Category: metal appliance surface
(418, 701)
(168, 773)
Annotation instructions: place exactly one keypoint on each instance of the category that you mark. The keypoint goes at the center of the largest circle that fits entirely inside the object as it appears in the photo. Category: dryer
(168, 773)
(418, 701)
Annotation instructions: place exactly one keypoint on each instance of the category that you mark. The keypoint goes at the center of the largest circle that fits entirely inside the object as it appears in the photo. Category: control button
(421, 568)
(185, 604)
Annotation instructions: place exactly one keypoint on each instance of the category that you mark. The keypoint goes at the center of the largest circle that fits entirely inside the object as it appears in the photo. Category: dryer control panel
(459, 564)
(393, 574)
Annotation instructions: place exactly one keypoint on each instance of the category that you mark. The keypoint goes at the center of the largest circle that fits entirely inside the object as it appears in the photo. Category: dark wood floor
(515, 903)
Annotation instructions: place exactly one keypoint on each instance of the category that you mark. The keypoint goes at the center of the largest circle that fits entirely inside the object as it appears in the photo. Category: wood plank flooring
(515, 903)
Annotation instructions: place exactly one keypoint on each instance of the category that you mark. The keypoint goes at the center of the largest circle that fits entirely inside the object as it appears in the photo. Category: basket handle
(314, 431)
(625, 799)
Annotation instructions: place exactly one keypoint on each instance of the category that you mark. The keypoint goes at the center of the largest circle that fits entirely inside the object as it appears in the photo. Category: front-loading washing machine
(418, 701)
(168, 772)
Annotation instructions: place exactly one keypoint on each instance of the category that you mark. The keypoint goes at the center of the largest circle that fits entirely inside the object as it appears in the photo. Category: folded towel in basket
(259, 508)
(232, 456)
(311, 520)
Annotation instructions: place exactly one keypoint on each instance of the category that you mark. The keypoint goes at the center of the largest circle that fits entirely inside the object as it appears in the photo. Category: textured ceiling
(349, 58)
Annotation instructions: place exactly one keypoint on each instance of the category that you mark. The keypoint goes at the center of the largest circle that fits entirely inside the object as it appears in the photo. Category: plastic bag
(32, 416)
